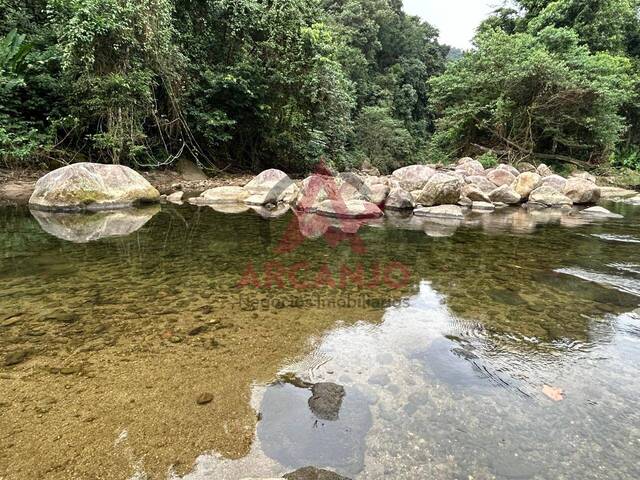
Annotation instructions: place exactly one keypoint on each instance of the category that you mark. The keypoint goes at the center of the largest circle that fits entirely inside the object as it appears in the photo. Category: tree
(529, 94)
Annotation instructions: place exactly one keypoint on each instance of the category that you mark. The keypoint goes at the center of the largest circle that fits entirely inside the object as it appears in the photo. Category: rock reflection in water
(89, 227)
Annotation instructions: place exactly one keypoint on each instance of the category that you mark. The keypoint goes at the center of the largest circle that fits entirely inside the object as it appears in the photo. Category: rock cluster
(430, 191)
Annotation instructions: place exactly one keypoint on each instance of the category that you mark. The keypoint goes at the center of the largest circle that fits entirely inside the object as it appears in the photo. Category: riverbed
(182, 342)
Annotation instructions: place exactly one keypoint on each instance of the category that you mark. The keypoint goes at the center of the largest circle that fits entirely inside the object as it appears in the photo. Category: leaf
(555, 394)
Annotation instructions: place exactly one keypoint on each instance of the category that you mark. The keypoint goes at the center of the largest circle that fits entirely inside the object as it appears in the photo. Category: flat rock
(615, 193)
(441, 211)
(600, 212)
(483, 206)
(92, 186)
(348, 209)
(222, 195)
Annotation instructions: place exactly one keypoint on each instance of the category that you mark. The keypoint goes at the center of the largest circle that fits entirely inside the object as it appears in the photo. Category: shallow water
(443, 334)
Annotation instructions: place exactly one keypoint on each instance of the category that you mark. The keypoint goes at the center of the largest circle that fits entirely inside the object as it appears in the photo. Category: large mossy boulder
(92, 186)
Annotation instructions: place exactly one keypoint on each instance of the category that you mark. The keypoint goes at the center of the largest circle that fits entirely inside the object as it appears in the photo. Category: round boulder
(92, 186)
(441, 189)
(582, 191)
(414, 177)
(549, 197)
(526, 183)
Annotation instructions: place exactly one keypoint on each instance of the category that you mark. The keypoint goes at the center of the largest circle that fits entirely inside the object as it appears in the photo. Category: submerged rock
(615, 193)
(88, 227)
(313, 473)
(326, 400)
(483, 206)
(92, 186)
(600, 212)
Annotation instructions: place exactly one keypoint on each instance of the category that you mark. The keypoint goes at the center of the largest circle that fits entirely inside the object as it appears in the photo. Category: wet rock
(526, 183)
(600, 212)
(90, 227)
(313, 473)
(91, 186)
(501, 177)
(582, 191)
(399, 199)
(442, 211)
(549, 197)
(204, 398)
(15, 358)
(326, 400)
(414, 177)
(441, 189)
(349, 209)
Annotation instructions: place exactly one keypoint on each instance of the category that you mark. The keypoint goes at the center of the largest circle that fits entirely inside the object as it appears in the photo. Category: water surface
(443, 334)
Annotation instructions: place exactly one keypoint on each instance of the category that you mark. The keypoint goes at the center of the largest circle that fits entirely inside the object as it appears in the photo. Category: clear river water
(177, 342)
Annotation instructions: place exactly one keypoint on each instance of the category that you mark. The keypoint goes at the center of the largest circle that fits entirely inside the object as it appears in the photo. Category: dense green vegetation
(258, 83)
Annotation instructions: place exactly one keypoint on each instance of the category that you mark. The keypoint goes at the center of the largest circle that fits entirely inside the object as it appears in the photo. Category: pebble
(204, 398)
(15, 358)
